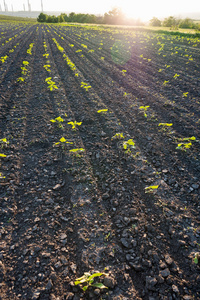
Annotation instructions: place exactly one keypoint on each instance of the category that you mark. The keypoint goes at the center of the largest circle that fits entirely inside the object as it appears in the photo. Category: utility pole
(0, 8)
(24, 7)
(4, 4)
(29, 6)
(42, 5)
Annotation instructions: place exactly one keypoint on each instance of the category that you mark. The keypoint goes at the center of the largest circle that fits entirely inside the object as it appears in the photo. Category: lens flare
(121, 52)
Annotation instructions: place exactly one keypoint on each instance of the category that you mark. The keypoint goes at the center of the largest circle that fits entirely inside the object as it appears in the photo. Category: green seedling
(61, 49)
(87, 280)
(128, 145)
(74, 124)
(3, 143)
(58, 121)
(25, 63)
(102, 111)
(118, 136)
(196, 258)
(144, 109)
(63, 142)
(164, 126)
(21, 79)
(192, 138)
(176, 75)
(165, 82)
(29, 51)
(77, 152)
(107, 237)
(3, 59)
(51, 84)
(185, 146)
(24, 71)
(46, 55)
(85, 86)
(151, 189)
(1, 176)
(47, 68)
(185, 95)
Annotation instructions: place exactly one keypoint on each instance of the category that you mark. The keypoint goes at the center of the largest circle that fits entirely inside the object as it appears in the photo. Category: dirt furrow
(78, 108)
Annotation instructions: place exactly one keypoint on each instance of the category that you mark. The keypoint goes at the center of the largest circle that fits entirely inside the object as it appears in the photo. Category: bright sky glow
(143, 9)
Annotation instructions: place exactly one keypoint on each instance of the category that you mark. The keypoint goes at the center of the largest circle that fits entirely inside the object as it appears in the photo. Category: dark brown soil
(65, 213)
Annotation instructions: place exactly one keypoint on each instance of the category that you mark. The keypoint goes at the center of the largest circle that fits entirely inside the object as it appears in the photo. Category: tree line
(175, 23)
(116, 17)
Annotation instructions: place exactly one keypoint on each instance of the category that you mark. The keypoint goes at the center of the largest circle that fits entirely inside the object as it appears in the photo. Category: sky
(142, 9)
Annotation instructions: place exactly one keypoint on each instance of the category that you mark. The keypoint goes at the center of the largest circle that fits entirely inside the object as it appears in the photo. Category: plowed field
(99, 163)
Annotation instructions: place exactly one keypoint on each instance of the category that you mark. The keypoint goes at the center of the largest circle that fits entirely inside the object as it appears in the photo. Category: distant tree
(198, 26)
(155, 22)
(187, 23)
(61, 19)
(65, 17)
(170, 22)
(42, 18)
(114, 16)
(72, 17)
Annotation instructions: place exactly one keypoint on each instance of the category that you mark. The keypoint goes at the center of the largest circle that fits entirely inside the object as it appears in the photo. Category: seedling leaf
(100, 285)
(102, 111)
(196, 261)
